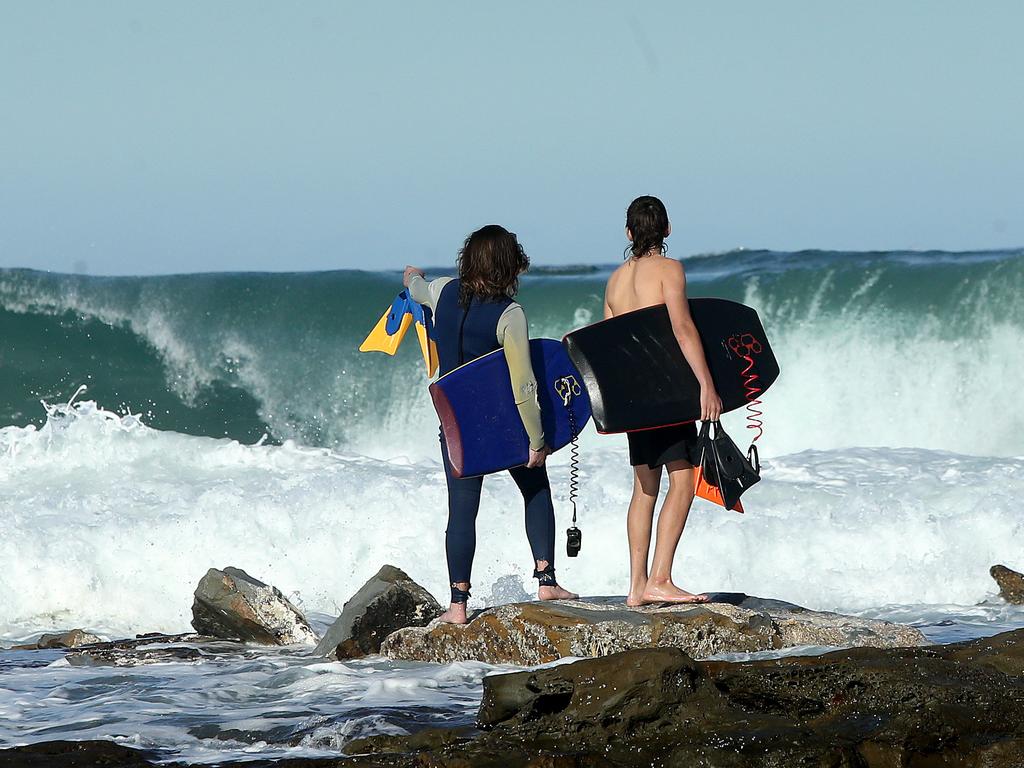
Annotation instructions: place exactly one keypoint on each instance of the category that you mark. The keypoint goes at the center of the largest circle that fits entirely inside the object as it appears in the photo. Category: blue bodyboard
(478, 412)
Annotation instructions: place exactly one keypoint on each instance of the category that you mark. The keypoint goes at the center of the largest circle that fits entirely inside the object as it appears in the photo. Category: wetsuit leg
(540, 512)
(463, 505)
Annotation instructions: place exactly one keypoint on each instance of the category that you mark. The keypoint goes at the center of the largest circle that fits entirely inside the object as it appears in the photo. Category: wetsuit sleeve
(426, 293)
(514, 337)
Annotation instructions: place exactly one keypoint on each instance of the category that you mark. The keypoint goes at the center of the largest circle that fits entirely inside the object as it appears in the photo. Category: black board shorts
(657, 447)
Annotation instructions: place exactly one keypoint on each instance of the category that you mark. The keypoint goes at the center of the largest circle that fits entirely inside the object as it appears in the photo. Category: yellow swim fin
(429, 349)
(380, 340)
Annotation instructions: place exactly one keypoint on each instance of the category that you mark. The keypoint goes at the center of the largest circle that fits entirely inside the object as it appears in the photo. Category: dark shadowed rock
(107, 754)
(387, 602)
(74, 754)
(618, 691)
(958, 705)
(1011, 584)
(527, 634)
(231, 604)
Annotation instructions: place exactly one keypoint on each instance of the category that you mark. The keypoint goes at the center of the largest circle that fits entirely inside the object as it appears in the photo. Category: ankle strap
(459, 595)
(546, 577)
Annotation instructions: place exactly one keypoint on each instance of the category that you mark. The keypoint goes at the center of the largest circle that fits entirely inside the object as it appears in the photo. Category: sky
(142, 138)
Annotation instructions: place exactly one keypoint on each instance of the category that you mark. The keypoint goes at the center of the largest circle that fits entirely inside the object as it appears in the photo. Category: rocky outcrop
(75, 754)
(73, 638)
(107, 754)
(232, 605)
(1011, 584)
(157, 649)
(387, 602)
(528, 634)
(872, 708)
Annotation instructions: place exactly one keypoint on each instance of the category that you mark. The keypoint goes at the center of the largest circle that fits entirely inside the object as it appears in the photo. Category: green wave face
(875, 348)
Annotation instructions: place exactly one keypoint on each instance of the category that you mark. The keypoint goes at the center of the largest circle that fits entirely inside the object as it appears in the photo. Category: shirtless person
(646, 279)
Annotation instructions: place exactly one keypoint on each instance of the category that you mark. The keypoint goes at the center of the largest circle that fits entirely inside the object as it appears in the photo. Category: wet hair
(647, 220)
(490, 263)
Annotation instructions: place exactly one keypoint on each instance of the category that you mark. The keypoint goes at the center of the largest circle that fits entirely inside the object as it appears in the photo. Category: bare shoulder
(614, 279)
(672, 270)
(616, 274)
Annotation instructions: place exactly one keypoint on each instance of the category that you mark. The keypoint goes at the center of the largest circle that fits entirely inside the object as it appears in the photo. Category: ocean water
(227, 419)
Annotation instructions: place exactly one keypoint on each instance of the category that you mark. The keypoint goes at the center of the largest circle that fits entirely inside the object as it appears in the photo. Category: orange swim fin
(706, 490)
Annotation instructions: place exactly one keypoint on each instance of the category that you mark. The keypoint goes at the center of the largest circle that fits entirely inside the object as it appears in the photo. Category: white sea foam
(271, 702)
(109, 524)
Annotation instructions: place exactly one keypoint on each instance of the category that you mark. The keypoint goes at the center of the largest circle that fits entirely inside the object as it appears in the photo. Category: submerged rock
(387, 602)
(961, 704)
(157, 648)
(73, 638)
(232, 605)
(1011, 584)
(527, 634)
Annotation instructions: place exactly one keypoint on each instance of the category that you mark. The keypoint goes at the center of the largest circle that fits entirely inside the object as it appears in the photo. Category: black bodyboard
(637, 377)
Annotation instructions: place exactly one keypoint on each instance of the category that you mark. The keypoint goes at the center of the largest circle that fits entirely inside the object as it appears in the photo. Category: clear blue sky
(143, 137)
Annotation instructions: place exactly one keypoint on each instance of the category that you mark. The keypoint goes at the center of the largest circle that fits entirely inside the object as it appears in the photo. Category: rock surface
(232, 605)
(389, 601)
(957, 705)
(528, 634)
(157, 649)
(107, 754)
(1011, 584)
(73, 638)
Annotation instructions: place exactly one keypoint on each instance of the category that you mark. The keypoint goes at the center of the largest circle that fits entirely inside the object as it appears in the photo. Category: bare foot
(635, 598)
(456, 614)
(555, 593)
(667, 592)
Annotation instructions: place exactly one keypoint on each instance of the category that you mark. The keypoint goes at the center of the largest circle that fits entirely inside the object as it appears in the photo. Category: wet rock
(73, 638)
(387, 602)
(107, 754)
(157, 648)
(231, 604)
(528, 634)
(74, 754)
(1011, 584)
(619, 691)
(133, 658)
(866, 707)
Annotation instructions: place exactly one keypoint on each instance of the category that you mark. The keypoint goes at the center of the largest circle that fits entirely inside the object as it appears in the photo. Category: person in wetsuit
(475, 314)
(649, 278)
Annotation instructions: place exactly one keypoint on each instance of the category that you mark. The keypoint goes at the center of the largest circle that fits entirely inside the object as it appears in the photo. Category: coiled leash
(567, 388)
(745, 346)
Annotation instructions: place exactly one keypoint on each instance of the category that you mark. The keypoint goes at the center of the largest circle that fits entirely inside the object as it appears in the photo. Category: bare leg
(552, 593)
(456, 613)
(671, 522)
(639, 521)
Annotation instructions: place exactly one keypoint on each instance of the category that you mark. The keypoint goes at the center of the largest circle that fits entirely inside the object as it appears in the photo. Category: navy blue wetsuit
(463, 334)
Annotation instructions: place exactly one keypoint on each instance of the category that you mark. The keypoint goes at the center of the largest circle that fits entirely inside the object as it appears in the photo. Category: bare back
(637, 284)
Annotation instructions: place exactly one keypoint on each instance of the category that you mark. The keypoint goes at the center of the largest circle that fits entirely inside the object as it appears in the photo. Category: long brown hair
(490, 263)
(647, 221)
